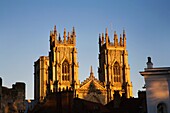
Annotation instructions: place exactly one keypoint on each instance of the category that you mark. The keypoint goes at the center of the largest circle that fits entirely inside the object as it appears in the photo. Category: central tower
(114, 70)
(63, 65)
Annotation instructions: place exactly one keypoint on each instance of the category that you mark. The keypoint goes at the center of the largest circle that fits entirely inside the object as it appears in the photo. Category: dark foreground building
(63, 102)
(12, 100)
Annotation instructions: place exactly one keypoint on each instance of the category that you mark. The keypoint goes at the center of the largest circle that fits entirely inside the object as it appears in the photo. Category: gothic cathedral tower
(114, 70)
(63, 65)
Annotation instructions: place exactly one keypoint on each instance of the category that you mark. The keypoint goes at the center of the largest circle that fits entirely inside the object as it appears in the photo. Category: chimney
(149, 63)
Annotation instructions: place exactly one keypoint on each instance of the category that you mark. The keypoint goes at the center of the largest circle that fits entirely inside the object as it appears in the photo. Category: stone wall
(12, 99)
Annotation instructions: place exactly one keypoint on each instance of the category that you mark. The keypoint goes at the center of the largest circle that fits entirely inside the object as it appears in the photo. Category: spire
(91, 71)
(74, 36)
(115, 39)
(121, 43)
(124, 31)
(55, 31)
(64, 35)
(102, 38)
(124, 38)
(99, 37)
(99, 42)
(53, 37)
(74, 33)
(106, 36)
(59, 38)
(106, 31)
(68, 37)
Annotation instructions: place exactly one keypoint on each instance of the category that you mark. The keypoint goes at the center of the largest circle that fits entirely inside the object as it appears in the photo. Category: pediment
(91, 84)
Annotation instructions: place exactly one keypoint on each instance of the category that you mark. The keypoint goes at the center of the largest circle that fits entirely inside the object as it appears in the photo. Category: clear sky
(25, 27)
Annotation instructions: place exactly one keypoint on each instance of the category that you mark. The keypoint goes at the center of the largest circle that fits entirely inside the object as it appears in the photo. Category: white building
(157, 82)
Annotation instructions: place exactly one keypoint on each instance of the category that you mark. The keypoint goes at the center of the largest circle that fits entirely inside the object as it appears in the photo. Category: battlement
(105, 40)
(20, 86)
(68, 38)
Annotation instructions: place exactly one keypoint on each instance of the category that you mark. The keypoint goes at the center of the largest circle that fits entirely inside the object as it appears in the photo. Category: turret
(53, 35)
(120, 43)
(124, 38)
(59, 38)
(55, 31)
(106, 36)
(68, 38)
(64, 35)
(74, 36)
(108, 40)
(102, 38)
(115, 39)
(99, 42)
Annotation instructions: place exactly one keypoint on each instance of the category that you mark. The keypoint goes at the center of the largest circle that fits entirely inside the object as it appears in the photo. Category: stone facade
(63, 65)
(41, 77)
(114, 70)
(92, 89)
(12, 99)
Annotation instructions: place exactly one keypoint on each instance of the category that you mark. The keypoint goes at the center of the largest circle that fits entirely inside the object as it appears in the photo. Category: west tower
(63, 65)
(114, 70)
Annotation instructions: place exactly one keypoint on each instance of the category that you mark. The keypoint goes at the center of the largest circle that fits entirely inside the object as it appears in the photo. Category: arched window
(65, 71)
(116, 72)
(161, 108)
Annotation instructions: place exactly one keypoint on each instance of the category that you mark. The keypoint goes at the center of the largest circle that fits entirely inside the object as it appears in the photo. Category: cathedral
(59, 70)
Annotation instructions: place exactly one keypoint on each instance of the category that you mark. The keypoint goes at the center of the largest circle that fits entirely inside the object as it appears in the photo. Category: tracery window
(161, 108)
(65, 71)
(116, 72)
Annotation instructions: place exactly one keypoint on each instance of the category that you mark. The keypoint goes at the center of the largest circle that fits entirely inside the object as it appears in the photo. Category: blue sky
(25, 27)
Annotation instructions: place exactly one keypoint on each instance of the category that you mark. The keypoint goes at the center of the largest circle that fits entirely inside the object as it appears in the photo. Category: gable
(91, 85)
